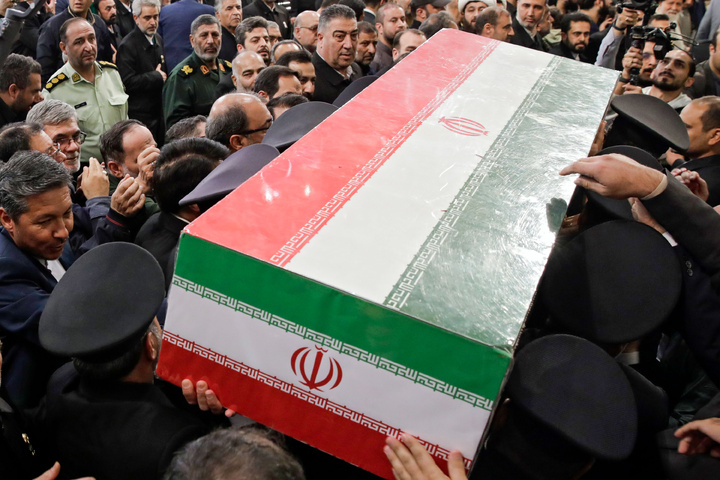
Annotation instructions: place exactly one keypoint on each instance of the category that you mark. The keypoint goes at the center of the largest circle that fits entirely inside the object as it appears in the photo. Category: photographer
(612, 46)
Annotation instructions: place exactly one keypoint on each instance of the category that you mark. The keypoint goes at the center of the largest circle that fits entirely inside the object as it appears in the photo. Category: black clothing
(48, 47)
(125, 19)
(709, 169)
(137, 60)
(225, 86)
(228, 48)
(706, 82)
(8, 115)
(299, 6)
(328, 82)
(279, 15)
(26, 44)
(523, 38)
(159, 236)
(562, 50)
(18, 458)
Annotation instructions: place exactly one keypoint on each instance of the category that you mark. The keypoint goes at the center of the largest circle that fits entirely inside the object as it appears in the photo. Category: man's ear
(689, 82)
(152, 346)
(395, 54)
(264, 96)
(7, 222)
(234, 80)
(63, 48)
(488, 30)
(714, 137)
(115, 169)
(14, 91)
(240, 48)
(237, 142)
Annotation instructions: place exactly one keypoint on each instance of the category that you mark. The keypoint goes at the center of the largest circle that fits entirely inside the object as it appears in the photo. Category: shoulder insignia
(75, 77)
(204, 69)
(224, 64)
(108, 64)
(56, 80)
(187, 69)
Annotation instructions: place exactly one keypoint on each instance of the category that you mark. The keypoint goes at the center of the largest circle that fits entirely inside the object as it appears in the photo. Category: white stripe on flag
(368, 244)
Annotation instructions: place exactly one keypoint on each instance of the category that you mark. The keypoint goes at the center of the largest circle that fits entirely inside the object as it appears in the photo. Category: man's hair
(29, 173)
(663, 17)
(366, 27)
(184, 128)
(711, 116)
(691, 63)
(585, 4)
(181, 166)
(246, 452)
(272, 24)
(230, 122)
(300, 57)
(62, 33)
(120, 366)
(218, 5)
(570, 18)
(284, 42)
(205, 19)
(111, 142)
(357, 6)
(402, 33)
(436, 22)
(372, 3)
(51, 112)
(247, 26)
(17, 70)
(268, 80)
(287, 100)
(332, 12)
(328, 3)
(16, 137)
(137, 5)
(489, 15)
(380, 15)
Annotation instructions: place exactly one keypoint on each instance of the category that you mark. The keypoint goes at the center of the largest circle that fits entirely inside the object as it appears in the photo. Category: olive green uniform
(98, 105)
(190, 88)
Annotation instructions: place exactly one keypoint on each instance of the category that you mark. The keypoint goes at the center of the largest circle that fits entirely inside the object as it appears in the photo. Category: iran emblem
(463, 126)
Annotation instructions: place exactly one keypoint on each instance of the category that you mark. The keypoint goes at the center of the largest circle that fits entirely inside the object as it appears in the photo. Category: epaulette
(55, 81)
(225, 66)
(108, 64)
(185, 71)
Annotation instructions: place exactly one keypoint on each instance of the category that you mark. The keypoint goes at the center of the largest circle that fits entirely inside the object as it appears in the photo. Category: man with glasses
(306, 28)
(60, 123)
(237, 120)
(334, 59)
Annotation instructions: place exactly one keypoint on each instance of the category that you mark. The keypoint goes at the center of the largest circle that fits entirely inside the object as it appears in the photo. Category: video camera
(647, 7)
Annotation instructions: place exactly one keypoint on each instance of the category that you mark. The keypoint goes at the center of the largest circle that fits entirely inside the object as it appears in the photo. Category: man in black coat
(124, 17)
(529, 15)
(19, 88)
(272, 12)
(334, 59)
(575, 32)
(141, 63)
(229, 12)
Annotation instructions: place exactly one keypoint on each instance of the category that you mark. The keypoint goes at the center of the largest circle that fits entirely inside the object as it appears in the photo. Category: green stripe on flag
(421, 347)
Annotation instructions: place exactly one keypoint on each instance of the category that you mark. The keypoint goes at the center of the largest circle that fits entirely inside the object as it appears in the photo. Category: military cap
(103, 304)
(647, 122)
(353, 89)
(613, 283)
(612, 208)
(230, 174)
(577, 390)
(298, 121)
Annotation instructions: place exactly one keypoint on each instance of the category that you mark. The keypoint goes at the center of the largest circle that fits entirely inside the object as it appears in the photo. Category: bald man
(237, 120)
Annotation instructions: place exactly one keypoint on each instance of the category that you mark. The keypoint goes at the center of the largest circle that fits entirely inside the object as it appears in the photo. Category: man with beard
(575, 32)
(252, 34)
(529, 15)
(19, 88)
(672, 75)
(366, 47)
(301, 63)
(595, 9)
(141, 62)
(59, 121)
(246, 66)
(707, 77)
(229, 12)
(94, 89)
(390, 21)
(469, 11)
(495, 23)
(645, 61)
(190, 88)
(108, 12)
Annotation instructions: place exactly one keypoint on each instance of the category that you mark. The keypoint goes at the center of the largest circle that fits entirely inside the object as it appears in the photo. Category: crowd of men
(113, 112)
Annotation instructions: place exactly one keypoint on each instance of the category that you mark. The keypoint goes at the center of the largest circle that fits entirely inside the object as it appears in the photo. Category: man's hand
(146, 165)
(615, 176)
(94, 180)
(693, 181)
(640, 214)
(128, 198)
(200, 395)
(54, 472)
(162, 74)
(700, 436)
(412, 462)
(632, 58)
(631, 89)
(627, 18)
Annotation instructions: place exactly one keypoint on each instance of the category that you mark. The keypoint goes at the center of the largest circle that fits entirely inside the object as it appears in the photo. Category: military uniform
(98, 105)
(190, 88)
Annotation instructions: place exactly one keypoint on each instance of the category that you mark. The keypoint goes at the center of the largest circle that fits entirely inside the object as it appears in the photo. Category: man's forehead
(79, 29)
(347, 25)
(532, 2)
(68, 127)
(394, 12)
(230, 3)
(679, 55)
(258, 32)
(214, 27)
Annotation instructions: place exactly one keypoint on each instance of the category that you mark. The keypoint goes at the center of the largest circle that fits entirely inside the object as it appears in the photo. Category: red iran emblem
(320, 366)
(463, 126)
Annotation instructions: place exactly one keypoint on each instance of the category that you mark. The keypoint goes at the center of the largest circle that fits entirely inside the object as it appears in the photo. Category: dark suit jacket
(160, 236)
(562, 51)
(709, 169)
(26, 44)
(124, 19)
(228, 49)
(328, 82)
(522, 38)
(279, 16)
(137, 60)
(8, 115)
(175, 20)
(705, 82)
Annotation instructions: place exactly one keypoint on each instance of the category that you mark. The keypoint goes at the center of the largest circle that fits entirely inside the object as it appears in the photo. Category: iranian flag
(374, 278)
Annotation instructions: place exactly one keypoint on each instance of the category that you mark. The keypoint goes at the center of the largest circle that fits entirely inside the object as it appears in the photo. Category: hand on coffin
(410, 461)
(53, 473)
(201, 395)
(700, 436)
(615, 176)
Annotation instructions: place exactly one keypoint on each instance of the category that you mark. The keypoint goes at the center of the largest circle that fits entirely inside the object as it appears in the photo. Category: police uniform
(98, 105)
(190, 88)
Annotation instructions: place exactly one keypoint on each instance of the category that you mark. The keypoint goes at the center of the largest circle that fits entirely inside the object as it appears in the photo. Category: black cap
(613, 283)
(612, 208)
(353, 89)
(230, 174)
(297, 122)
(647, 122)
(577, 390)
(103, 304)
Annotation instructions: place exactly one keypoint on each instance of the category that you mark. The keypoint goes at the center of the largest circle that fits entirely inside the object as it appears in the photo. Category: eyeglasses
(313, 29)
(78, 138)
(53, 149)
(250, 132)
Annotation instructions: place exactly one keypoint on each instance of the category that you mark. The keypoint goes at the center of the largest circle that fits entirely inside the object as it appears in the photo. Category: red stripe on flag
(346, 434)
(275, 213)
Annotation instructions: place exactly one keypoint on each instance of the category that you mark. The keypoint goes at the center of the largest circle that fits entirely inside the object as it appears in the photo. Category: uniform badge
(48, 85)
(61, 76)
(222, 67)
(54, 80)
(75, 77)
(205, 70)
(187, 69)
